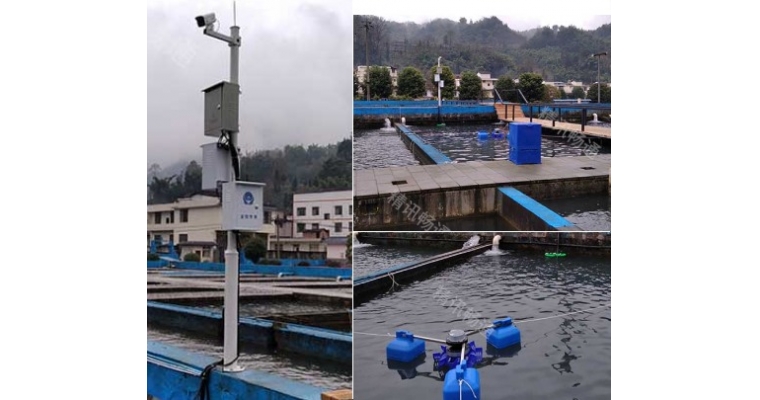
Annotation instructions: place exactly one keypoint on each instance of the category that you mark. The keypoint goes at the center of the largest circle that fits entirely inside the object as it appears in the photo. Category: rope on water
(392, 280)
(560, 315)
(372, 334)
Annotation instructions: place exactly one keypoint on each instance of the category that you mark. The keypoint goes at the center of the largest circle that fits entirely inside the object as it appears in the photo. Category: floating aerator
(503, 334)
(467, 389)
(405, 347)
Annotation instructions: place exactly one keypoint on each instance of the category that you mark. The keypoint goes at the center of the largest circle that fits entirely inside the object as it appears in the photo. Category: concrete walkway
(590, 130)
(421, 178)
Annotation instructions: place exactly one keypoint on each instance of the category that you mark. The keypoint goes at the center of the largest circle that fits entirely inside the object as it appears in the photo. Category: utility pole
(231, 255)
(367, 24)
(598, 81)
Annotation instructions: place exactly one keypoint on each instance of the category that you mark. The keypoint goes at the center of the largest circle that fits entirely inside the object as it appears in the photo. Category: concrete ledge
(423, 152)
(174, 374)
(315, 342)
(369, 286)
(526, 214)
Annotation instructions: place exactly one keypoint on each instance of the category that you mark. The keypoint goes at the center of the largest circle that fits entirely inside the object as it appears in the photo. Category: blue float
(482, 135)
(468, 389)
(503, 334)
(405, 347)
(498, 134)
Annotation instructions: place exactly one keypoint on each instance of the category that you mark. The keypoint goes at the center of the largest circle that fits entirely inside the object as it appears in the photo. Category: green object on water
(555, 254)
(441, 124)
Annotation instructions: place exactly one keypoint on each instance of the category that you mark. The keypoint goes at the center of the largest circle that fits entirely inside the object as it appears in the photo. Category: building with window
(194, 225)
(332, 211)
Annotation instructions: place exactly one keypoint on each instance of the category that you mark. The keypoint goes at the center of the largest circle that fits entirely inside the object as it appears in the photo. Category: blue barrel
(405, 347)
(482, 135)
(470, 388)
(503, 334)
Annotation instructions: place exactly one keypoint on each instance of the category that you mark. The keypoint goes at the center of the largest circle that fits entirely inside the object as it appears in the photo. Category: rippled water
(380, 148)
(589, 212)
(460, 143)
(269, 307)
(559, 358)
(367, 260)
(299, 368)
(487, 222)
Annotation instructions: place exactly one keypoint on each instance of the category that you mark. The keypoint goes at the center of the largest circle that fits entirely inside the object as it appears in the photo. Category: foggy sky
(517, 14)
(295, 74)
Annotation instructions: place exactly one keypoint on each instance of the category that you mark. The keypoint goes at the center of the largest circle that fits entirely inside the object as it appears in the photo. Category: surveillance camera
(205, 20)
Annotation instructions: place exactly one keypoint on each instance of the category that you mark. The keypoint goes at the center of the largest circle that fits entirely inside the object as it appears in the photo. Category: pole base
(234, 367)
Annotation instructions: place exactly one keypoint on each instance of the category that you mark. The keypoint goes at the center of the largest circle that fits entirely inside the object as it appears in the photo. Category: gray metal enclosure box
(221, 108)
(217, 166)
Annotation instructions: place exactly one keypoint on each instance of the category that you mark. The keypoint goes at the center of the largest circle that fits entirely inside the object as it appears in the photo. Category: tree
(411, 83)
(380, 84)
(532, 86)
(449, 84)
(606, 93)
(551, 93)
(507, 89)
(356, 85)
(193, 178)
(578, 93)
(255, 248)
(470, 86)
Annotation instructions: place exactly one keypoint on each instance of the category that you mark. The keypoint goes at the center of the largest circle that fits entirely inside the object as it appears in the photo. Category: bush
(269, 261)
(255, 249)
(192, 257)
(304, 264)
(153, 257)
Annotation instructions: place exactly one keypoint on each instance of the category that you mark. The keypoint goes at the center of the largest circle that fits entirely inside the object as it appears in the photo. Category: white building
(488, 84)
(192, 224)
(323, 210)
(361, 75)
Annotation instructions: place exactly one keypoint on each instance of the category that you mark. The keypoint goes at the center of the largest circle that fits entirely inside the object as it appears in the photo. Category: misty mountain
(558, 53)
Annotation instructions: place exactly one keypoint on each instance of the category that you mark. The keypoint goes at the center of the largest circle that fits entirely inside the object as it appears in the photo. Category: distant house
(331, 210)
(361, 75)
(193, 224)
(488, 84)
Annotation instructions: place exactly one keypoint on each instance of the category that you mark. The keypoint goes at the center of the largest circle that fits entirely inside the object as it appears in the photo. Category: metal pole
(440, 76)
(366, 56)
(231, 256)
(598, 83)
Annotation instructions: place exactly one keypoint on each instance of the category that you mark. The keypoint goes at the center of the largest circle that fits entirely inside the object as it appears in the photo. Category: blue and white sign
(242, 206)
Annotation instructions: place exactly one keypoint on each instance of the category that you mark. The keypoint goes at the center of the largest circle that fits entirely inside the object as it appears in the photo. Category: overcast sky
(518, 14)
(295, 73)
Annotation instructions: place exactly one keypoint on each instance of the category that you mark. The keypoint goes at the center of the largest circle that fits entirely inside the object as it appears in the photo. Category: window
(327, 216)
(300, 227)
(171, 237)
(171, 217)
(301, 211)
(338, 227)
(267, 217)
(350, 210)
(157, 218)
(315, 227)
(350, 226)
(315, 211)
(338, 210)
(183, 237)
(205, 253)
(183, 215)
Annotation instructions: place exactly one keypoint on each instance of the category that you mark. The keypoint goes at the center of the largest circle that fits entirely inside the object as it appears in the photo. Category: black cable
(203, 391)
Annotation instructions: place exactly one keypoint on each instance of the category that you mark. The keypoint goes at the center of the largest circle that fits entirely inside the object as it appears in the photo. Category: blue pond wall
(423, 152)
(316, 272)
(174, 374)
(374, 113)
(310, 341)
(527, 214)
